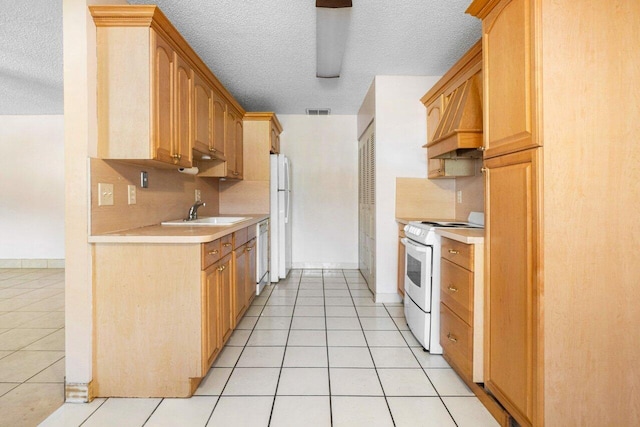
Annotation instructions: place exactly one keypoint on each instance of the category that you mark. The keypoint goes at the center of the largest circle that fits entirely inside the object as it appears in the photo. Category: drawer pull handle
(222, 267)
(452, 288)
(452, 338)
(226, 245)
(453, 251)
(213, 252)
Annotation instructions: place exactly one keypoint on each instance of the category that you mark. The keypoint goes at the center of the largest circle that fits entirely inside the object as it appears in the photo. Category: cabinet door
(219, 125)
(202, 115)
(511, 303)
(230, 141)
(274, 140)
(508, 78)
(211, 343)
(237, 173)
(163, 99)
(227, 318)
(183, 93)
(250, 283)
(240, 267)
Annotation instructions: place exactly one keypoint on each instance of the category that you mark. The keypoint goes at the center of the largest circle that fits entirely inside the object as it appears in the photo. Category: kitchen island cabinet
(164, 306)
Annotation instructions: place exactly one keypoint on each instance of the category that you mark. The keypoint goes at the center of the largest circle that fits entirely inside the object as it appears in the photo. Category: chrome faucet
(193, 210)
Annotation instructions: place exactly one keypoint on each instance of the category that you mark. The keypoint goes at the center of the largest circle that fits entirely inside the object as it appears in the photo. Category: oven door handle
(414, 246)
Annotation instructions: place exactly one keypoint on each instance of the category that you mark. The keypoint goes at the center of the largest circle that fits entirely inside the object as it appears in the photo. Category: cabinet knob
(236, 173)
(226, 245)
(249, 249)
(452, 338)
(453, 251)
(222, 267)
(483, 170)
(481, 148)
(213, 252)
(452, 288)
(213, 150)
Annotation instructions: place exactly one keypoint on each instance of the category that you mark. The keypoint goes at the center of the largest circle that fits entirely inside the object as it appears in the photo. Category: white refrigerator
(280, 193)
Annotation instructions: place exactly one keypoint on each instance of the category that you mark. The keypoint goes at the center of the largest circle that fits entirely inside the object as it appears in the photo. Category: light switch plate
(105, 194)
(131, 193)
(459, 196)
(198, 199)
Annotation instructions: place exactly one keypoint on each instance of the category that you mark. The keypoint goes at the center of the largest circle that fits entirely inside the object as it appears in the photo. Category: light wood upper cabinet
(219, 124)
(202, 115)
(509, 83)
(183, 97)
(233, 144)
(276, 129)
(164, 66)
(157, 100)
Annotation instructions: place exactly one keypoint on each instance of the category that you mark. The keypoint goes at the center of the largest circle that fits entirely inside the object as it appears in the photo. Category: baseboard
(326, 265)
(78, 392)
(31, 263)
(388, 298)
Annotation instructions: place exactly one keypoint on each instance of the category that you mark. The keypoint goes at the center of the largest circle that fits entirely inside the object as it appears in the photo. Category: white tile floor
(312, 350)
(31, 345)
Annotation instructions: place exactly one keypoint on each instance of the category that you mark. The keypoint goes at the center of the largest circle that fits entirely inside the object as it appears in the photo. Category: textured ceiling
(31, 57)
(263, 51)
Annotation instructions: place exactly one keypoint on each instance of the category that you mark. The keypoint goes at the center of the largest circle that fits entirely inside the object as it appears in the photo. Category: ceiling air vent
(318, 111)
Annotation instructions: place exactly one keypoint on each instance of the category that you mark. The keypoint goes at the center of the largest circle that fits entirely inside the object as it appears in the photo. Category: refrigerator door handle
(286, 174)
(287, 207)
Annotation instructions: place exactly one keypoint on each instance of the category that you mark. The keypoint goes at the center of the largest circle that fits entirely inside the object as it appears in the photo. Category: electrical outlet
(131, 193)
(198, 199)
(105, 194)
(459, 196)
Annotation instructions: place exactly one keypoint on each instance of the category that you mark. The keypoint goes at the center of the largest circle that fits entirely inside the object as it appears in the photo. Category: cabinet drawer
(240, 237)
(251, 232)
(456, 340)
(226, 244)
(210, 253)
(457, 252)
(456, 289)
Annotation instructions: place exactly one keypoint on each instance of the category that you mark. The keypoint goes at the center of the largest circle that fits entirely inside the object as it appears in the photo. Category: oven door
(417, 277)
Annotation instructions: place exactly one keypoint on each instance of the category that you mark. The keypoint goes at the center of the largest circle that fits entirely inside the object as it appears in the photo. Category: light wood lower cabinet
(462, 317)
(163, 315)
(211, 338)
(512, 300)
(401, 257)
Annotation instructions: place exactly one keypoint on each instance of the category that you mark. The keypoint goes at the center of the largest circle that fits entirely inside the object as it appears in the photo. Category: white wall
(324, 158)
(400, 126)
(31, 189)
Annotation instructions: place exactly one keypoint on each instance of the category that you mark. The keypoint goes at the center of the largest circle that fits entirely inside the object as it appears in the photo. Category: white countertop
(175, 234)
(464, 235)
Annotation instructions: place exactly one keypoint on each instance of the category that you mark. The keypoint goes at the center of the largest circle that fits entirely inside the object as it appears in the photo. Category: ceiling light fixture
(332, 28)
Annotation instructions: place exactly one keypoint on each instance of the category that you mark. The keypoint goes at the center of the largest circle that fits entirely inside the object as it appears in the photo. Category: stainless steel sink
(211, 221)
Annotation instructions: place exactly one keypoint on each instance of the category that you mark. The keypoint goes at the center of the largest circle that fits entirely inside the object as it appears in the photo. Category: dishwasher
(262, 264)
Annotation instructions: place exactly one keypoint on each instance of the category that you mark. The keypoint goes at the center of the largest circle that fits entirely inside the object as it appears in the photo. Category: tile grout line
(326, 337)
(375, 368)
(275, 393)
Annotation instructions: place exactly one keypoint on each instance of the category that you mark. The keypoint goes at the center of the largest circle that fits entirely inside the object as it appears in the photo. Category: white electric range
(422, 277)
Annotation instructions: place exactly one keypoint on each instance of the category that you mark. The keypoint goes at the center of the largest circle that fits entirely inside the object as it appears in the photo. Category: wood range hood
(459, 133)
(459, 95)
